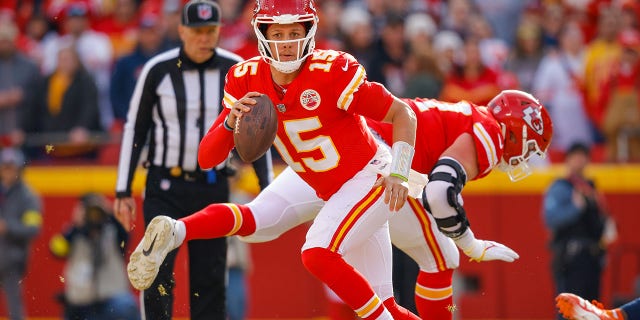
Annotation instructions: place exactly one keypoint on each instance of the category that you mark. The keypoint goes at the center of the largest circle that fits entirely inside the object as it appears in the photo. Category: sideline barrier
(280, 287)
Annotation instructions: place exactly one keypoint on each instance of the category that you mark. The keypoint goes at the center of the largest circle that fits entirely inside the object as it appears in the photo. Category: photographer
(96, 285)
(581, 229)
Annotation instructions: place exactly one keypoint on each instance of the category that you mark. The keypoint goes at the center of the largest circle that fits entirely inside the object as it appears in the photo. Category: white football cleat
(575, 308)
(159, 239)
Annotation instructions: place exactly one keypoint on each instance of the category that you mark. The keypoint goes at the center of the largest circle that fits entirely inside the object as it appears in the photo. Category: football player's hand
(484, 250)
(241, 106)
(396, 191)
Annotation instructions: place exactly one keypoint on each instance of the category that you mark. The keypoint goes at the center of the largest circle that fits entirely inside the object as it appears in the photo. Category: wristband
(226, 126)
(402, 156)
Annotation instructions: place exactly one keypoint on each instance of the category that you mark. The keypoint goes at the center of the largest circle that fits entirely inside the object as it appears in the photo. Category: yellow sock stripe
(372, 305)
(421, 214)
(352, 217)
(238, 218)
(433, 293)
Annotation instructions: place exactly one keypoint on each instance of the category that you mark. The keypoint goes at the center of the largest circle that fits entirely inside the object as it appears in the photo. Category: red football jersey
(441, 123)
(321, 134)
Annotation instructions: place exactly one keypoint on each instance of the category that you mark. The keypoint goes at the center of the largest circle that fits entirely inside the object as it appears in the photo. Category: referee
(176, 99)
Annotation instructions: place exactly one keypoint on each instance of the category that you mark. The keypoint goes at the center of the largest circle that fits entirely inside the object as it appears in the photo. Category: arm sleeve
(559, 209)
(136, 129)
(216, 144)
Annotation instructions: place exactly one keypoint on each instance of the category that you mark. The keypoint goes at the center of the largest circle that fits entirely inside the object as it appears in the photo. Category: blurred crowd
(68, 68)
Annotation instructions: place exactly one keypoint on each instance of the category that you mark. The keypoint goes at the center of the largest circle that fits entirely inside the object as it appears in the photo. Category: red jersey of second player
(441, 123)
(321, 134)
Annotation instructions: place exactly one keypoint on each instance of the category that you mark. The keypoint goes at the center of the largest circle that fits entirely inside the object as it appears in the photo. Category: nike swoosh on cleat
(346, 66)
(148, 251)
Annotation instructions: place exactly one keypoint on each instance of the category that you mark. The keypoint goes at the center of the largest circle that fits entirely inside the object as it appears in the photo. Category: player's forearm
(404, 136)
(215, 146)
(404, 123)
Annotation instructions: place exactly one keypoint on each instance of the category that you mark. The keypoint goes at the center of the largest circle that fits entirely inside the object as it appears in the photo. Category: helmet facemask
(269, 48)
(517, 167)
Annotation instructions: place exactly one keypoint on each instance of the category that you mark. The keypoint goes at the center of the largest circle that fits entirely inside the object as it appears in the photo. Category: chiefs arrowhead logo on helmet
(533, 118)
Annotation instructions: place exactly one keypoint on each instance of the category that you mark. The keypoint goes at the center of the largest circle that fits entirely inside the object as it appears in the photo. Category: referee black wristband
(226, 126)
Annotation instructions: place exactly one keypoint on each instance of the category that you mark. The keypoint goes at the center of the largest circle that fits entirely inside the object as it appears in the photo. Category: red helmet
(526, 128)
(285, 12)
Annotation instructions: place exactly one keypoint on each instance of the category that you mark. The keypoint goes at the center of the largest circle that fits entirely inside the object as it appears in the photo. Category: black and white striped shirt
(169, 106)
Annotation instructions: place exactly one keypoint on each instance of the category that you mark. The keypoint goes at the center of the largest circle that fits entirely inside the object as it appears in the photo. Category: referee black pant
(177, 198)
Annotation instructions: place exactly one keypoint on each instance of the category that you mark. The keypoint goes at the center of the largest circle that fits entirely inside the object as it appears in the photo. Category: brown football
(256, 130)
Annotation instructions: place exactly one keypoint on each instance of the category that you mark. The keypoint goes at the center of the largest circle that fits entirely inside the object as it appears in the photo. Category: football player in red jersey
(457, 143)
(321, 97)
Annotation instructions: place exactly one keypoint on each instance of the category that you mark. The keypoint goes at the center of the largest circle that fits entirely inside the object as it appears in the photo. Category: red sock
(397, 311)
(219, 220)
(434, 295)
(344, 280)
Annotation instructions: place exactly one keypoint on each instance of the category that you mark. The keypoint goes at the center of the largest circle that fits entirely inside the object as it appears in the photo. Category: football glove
(484, 250)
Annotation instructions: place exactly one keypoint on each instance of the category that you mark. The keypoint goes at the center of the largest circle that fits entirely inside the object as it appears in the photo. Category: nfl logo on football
(204, 11)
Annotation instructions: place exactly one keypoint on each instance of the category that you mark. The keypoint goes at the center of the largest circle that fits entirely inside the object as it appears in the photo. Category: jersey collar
(188, 64)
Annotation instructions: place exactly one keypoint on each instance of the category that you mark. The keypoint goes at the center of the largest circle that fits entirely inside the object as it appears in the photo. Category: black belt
(190, 176)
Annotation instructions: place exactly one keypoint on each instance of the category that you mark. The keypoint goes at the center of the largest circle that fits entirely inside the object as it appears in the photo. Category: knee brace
(442, 197)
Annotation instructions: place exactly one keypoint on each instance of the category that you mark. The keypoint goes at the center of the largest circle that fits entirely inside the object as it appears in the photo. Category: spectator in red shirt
(470, 79)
